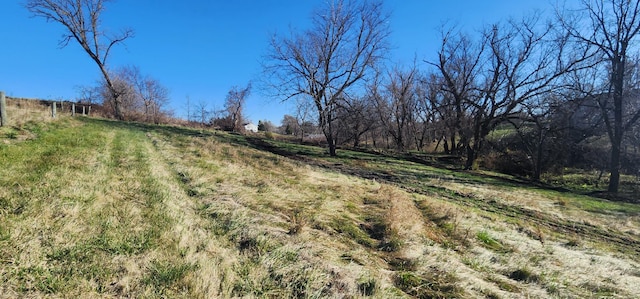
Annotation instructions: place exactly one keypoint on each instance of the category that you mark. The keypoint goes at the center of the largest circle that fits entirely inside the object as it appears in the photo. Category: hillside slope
(95, 208)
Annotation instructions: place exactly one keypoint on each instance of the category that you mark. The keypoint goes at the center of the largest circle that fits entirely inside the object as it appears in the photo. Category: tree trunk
(117, 107)
(118, 110)
(453, 148)
(616, 139)
(471, 157)
(446, 146)
(537, 167)
(327, 130)
(331, 140)
(332, 147)
(614, 179)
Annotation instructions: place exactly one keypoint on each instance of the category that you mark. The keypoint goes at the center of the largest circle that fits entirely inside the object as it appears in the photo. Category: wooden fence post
(53, 109)
(83, 107)
(73, 109)
(4, 121)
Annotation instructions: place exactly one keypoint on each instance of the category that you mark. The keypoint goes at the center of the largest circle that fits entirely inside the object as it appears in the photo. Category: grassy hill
(97, 208)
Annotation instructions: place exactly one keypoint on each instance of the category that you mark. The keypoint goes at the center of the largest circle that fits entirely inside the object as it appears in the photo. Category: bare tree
(289, 125)
(424, 126)
(324, 63)
(356, 118)
(303, 116)
(611, 28)
(397, 105)
(266, 126)
(203, 111)
(188, 107)
(234, 105)
(152, 95)
(459, 66)
(82, 20)
(129, 104)
(515, 62)
(88, 94)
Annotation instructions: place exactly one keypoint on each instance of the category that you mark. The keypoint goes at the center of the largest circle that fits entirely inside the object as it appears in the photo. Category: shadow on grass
(422, 177)
(414, 170)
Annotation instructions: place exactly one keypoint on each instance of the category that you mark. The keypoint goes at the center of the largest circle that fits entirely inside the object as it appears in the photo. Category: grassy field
(97, 208)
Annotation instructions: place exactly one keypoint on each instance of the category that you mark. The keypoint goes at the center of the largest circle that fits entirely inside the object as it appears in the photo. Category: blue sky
(202, 48)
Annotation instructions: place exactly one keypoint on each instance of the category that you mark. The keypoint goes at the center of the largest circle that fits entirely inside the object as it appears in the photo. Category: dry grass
(23, 116)
(20, 111)
(96, 208)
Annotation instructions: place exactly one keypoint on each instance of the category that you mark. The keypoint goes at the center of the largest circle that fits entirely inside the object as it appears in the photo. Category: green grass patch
(490, 242)
(98, 208)
(436, 284)
(347, 227)
(163, 275)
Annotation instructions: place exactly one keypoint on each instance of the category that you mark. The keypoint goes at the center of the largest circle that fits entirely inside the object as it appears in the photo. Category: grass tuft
(490, 242)
(524, 275)
(368, 286)
(435, 284)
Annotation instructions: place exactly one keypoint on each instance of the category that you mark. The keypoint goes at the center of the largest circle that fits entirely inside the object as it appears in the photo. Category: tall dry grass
(97, 208)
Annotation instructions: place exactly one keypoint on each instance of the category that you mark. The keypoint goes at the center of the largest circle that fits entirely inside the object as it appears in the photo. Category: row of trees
(534, 76)
(554, 84)
(230, 118)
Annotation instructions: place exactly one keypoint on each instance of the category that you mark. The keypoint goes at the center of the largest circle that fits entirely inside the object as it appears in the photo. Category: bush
(511, 162)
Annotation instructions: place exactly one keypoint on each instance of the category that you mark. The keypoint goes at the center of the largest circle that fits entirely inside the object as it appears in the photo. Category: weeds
(573, 242)
(448, 223)
(503, 284)
(368, 286)
(296, 222)
(95, 208)
(352, 231)
(489, 242)
(165, 275)
(524, 275)
(436, 284)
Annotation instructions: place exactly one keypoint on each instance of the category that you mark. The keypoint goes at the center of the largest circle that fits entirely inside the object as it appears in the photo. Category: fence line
(3, 110)
(4, 117)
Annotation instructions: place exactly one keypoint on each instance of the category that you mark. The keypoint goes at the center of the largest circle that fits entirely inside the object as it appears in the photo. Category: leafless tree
(424, 127)
(289, 125)
(234, 105)
(303, 116)
(347, 39)
(611, 28)
(459, 67)
(82, 19)
(150, 93)
(513, 63)
(188, 107)
(129, 104)
(397, 105)
(88, 94)
(356, 117)
(203, 111)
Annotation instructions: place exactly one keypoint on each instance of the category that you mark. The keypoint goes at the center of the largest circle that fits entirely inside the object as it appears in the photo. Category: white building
(251, 127)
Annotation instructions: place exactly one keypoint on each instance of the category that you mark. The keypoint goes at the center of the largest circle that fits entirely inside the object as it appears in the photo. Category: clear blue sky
(202, 48)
